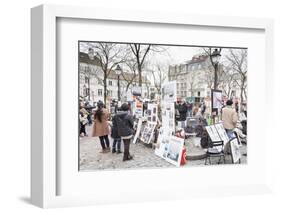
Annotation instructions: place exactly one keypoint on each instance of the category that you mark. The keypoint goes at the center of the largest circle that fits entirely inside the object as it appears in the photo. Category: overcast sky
(172, 55)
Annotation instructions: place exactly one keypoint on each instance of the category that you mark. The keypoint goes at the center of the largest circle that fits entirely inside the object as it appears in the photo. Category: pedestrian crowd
(120, 129)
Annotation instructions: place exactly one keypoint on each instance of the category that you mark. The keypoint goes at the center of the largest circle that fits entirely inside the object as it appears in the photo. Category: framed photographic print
(77, 85)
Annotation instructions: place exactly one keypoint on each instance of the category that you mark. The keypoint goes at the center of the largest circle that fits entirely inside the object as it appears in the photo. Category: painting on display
(151, 113)
(222, 133)
(235, 150)
(169, 92)
(174, 150)
(147, 133)
(217, 99)
(138, 108)
(169, 148)
(138, 130)
(168, 118)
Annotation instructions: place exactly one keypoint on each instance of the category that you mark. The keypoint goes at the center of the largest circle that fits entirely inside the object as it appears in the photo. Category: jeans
(104, 141)
(230, 133)
(116, 144)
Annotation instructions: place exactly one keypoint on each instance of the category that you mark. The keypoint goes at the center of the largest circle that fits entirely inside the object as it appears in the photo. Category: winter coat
(101, 128)
(182, 110)
(125, 124)
(114, 128)
(229, 117)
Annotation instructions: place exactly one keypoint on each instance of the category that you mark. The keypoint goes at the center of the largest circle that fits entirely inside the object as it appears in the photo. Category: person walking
(125, 124)
(229, 118)
(101, 127)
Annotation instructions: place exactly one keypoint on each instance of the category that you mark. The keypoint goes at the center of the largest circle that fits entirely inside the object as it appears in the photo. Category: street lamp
(118, 72)
(91, 53)
(215, 57)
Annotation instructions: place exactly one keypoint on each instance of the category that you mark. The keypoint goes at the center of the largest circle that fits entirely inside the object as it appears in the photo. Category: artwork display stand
(217, 133)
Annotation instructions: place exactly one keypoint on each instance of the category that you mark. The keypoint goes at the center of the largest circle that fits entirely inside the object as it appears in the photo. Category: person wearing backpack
(125, 124)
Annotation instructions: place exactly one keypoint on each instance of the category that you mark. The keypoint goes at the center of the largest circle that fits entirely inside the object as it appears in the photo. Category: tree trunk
(89, 90)
(241, 92)
(104, 89)
(139, 72)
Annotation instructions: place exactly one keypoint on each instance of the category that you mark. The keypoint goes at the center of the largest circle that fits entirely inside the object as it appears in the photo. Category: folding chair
(215, 149)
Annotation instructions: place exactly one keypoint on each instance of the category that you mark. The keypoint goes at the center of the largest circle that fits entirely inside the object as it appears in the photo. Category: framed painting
(57, 91)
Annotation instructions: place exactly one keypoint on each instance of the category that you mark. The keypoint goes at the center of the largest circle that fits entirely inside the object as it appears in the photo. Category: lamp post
(91, 53)
(88, 71)
(118, 71)
(215, 57)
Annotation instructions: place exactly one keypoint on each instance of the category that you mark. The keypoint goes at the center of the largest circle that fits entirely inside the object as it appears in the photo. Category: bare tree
(228, 81)
(131, 74)
(109, 55)
(159, 74)
(140, 53)
(237, 60)
(208, 51)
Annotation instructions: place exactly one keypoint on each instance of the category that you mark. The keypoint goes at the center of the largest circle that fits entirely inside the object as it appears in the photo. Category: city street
(144, 157)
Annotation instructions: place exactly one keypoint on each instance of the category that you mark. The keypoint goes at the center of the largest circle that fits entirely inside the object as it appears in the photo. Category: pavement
(144, 157)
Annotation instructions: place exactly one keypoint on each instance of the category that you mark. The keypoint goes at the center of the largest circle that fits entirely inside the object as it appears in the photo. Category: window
(110, 83)
(198, 94)
(99, 92)
(109, 93)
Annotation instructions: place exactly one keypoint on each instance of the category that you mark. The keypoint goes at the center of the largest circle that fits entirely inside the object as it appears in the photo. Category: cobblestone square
(144, 157)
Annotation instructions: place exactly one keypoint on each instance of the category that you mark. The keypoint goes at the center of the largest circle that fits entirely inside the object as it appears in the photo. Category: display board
(138, 130)
(168, 118)
(214, 135)
(217, 99)
(169, 148)
(152, 113)
(235, 151)
(138, 108)
(222, 133)
(147, 133)
(169, 92)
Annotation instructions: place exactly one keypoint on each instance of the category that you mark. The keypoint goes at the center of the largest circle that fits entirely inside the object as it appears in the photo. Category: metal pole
(216, 76)
(118, 82)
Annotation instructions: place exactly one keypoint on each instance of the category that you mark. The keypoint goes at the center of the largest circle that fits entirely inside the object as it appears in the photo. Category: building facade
(195, 79)
(91, 85)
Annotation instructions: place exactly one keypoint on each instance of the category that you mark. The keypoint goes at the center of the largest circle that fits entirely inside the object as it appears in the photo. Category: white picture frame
(45, 151)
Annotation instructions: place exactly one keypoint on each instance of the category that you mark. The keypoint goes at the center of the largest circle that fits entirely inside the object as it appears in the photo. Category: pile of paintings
(169, 148)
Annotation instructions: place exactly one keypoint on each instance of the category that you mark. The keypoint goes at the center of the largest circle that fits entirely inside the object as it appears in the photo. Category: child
(116, 146)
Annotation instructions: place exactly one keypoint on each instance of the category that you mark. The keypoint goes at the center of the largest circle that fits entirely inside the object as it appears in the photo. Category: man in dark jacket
(125, 124)
(182, 111)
